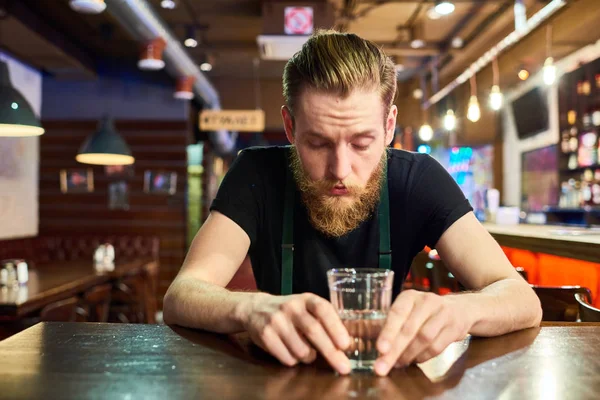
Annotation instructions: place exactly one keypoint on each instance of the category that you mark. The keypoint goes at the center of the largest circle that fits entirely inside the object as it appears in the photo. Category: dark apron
(287, 240)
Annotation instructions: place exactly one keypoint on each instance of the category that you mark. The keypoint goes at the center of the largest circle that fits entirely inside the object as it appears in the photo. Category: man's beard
(337, 215)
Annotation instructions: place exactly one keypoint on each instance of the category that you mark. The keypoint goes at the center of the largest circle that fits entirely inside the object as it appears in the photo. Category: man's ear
(390, 125)
(288, 123)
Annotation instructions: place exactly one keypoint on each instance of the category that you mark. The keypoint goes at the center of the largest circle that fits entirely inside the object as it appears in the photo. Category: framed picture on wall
(77, 180)
(160, 182)
(118, 195)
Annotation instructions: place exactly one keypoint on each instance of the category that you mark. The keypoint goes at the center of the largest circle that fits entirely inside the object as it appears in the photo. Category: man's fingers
(396, 317)
(315, 333)
(271, 342)
(296, 345)
(425, 338)
(422, 310)
(323, 311)
(437, 346)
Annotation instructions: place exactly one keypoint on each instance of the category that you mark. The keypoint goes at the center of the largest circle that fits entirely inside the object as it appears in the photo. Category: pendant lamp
(16, 115)
(105, 146)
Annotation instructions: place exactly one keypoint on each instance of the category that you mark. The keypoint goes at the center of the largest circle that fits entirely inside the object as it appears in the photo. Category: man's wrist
(244, 307)
(469, 306)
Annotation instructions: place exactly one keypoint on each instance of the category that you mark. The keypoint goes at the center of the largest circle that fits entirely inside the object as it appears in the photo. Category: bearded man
(321, 197)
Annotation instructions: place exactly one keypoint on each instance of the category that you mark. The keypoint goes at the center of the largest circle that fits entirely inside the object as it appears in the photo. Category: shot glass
(362, 298)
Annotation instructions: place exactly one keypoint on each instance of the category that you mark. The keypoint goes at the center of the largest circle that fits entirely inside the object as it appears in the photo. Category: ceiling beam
(251, 47)
(38, 25)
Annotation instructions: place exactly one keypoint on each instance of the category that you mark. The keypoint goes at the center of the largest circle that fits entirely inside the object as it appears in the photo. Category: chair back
(97, 301)
(559, 303)
(67, 310)
(587, 313)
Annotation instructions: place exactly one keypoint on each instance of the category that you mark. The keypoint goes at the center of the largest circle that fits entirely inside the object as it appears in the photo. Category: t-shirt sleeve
(438, 199)
(238, 197)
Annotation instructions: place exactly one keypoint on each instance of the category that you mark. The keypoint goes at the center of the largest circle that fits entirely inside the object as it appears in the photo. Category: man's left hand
(420, 326)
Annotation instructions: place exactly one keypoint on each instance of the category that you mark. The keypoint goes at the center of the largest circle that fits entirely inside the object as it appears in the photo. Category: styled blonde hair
(336, 62)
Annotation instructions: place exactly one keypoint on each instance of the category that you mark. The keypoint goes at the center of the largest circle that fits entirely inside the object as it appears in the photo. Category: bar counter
(134, 361)
(577, 243)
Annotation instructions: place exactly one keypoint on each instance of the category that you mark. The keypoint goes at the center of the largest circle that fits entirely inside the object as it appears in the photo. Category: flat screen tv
(539, 179)
(531, 113)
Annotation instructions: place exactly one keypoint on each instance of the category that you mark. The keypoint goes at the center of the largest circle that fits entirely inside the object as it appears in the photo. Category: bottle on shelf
(586, 119)
(587, 154)
(596, 116)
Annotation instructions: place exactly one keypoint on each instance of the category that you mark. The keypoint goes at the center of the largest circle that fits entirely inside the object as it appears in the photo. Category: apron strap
(385, 248)
(287, 243)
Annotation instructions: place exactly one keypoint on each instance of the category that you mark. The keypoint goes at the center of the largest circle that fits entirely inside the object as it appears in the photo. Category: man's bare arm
(197, 297)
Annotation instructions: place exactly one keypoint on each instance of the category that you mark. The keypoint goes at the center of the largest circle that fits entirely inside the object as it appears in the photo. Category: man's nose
(339, 163)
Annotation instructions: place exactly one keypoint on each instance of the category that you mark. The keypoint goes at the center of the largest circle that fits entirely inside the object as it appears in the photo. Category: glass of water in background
(362, 298)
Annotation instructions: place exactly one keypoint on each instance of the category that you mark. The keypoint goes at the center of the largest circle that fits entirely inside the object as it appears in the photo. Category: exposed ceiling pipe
(140, 20)
(509, 41)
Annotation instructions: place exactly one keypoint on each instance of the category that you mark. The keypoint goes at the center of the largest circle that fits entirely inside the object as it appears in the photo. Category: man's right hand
(292, 327)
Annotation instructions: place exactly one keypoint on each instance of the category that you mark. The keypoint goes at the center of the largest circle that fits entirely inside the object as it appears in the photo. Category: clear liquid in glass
(364, 327)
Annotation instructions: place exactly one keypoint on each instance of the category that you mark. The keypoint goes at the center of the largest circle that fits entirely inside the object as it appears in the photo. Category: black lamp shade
(105, 147)
(16, 115)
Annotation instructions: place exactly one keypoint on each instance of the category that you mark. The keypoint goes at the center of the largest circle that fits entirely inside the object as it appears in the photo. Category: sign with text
(298, 21)
(233, 120)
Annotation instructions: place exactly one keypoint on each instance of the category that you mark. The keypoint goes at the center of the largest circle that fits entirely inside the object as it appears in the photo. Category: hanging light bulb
(426, 132)
(523, 74)
(449, 120)
(496, 98)
(168, 4)
(549, 71)
(473, 112)
(190, 37)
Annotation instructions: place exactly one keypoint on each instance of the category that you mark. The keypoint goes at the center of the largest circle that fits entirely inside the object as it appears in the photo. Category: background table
(58, 280)
(118, 361)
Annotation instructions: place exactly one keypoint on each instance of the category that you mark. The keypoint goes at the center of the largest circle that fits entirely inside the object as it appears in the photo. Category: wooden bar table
(58, 280)
(119, 361)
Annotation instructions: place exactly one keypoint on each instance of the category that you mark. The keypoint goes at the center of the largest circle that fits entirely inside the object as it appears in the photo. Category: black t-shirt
(424, 202)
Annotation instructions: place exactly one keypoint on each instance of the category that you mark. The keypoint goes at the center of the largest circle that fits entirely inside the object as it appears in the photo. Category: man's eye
(360, 146)
(317, 145)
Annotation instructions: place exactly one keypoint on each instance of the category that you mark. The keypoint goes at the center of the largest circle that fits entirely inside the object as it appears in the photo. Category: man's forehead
(359, 104)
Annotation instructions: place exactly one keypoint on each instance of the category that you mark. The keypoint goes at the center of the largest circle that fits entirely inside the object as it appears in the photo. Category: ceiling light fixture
(87, 6)
(457, 42)
(190, 37)
(496, 97)
(549, 70)
(444, 7)
(473, 112)
(426, 132)
(417, 44)
(168, 4)
(184, 88)
(151, 56)
(16, 115)
(523, 74)
(449, 120)
(206, 67)
(105, 146)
